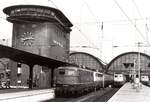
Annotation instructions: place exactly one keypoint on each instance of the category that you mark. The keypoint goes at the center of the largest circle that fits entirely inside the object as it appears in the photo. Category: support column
(52, 77)
(30, 76)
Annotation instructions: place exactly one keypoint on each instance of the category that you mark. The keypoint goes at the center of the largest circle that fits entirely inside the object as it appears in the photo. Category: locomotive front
(66, 81)
(119, 80)
(66, 76)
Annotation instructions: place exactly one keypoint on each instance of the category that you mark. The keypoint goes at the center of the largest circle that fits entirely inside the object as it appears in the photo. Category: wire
(85, 36)
(97, 23)
(89, 23)
(76, 26)
(137, 8)
(112, 21)
(146, 26)
(90, 10)
(53, 3)
(85, 47)
(131, 21)
(27, 21)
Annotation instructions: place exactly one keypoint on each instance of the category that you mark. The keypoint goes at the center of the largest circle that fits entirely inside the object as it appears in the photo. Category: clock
(27, 38)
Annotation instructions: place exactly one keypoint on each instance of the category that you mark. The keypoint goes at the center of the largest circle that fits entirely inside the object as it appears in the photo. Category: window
(100, 75)
(66, 72)
(69, 72)
(61, 71)
(115, 75)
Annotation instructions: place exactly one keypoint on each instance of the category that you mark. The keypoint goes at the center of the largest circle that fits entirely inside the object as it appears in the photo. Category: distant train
(145, 79)
(119, 80)
(76, 81)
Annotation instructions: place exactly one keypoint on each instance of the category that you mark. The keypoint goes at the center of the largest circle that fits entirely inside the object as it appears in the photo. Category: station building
(129, 63)
(40, 30)
(87, 60)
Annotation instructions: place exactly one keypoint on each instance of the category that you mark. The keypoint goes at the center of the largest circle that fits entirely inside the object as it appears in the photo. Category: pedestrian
(7, 83)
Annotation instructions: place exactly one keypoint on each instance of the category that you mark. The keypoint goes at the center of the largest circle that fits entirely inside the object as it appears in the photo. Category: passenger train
(145, 79)
(72, 81)
(119, 79)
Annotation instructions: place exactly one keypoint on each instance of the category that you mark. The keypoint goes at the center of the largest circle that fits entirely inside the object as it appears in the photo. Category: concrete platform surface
(18, 95)
(129, 94)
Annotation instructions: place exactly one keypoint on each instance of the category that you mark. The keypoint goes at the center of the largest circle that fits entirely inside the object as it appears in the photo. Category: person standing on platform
(137, 80)
(137, 84)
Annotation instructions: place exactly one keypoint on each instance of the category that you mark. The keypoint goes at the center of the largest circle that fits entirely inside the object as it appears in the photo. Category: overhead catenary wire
(53, 3)
(79, 28)
(105, 21)
(131, 22)
(85, 36)
(137, 8)
(97, 22)
(112, 21)
(146, 25)
(76, 27)
(100, 43)
(90, 10)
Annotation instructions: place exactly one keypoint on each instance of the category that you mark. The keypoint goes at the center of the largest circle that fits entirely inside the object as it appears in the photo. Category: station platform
(128, 94)
(26, 95)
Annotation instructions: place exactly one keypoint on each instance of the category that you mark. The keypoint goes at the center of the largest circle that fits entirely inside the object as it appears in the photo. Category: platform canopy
(28, 58)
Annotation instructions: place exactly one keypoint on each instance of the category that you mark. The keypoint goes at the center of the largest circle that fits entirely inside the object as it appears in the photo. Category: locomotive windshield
(70, 72)
(66, 72)
(115, 76)
(99, 75)
(61, 71)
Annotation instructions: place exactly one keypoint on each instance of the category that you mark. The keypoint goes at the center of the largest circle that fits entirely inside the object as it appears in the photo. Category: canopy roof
(28, 58)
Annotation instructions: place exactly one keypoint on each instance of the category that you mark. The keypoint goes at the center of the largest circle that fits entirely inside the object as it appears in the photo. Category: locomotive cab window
(61, 71)
(66, 72)
(70, 72)
(1, 75)
(115, 75)
(100, 75)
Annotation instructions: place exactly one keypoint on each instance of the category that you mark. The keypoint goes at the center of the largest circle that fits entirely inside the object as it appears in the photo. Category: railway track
(98, 96)
(106, 96)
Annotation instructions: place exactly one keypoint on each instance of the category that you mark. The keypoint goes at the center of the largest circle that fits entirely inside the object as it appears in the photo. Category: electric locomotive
(145, 79)
(119, 80)
(76, 81)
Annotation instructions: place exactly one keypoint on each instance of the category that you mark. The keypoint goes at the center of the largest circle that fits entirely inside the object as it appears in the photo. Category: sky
(103, 28)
